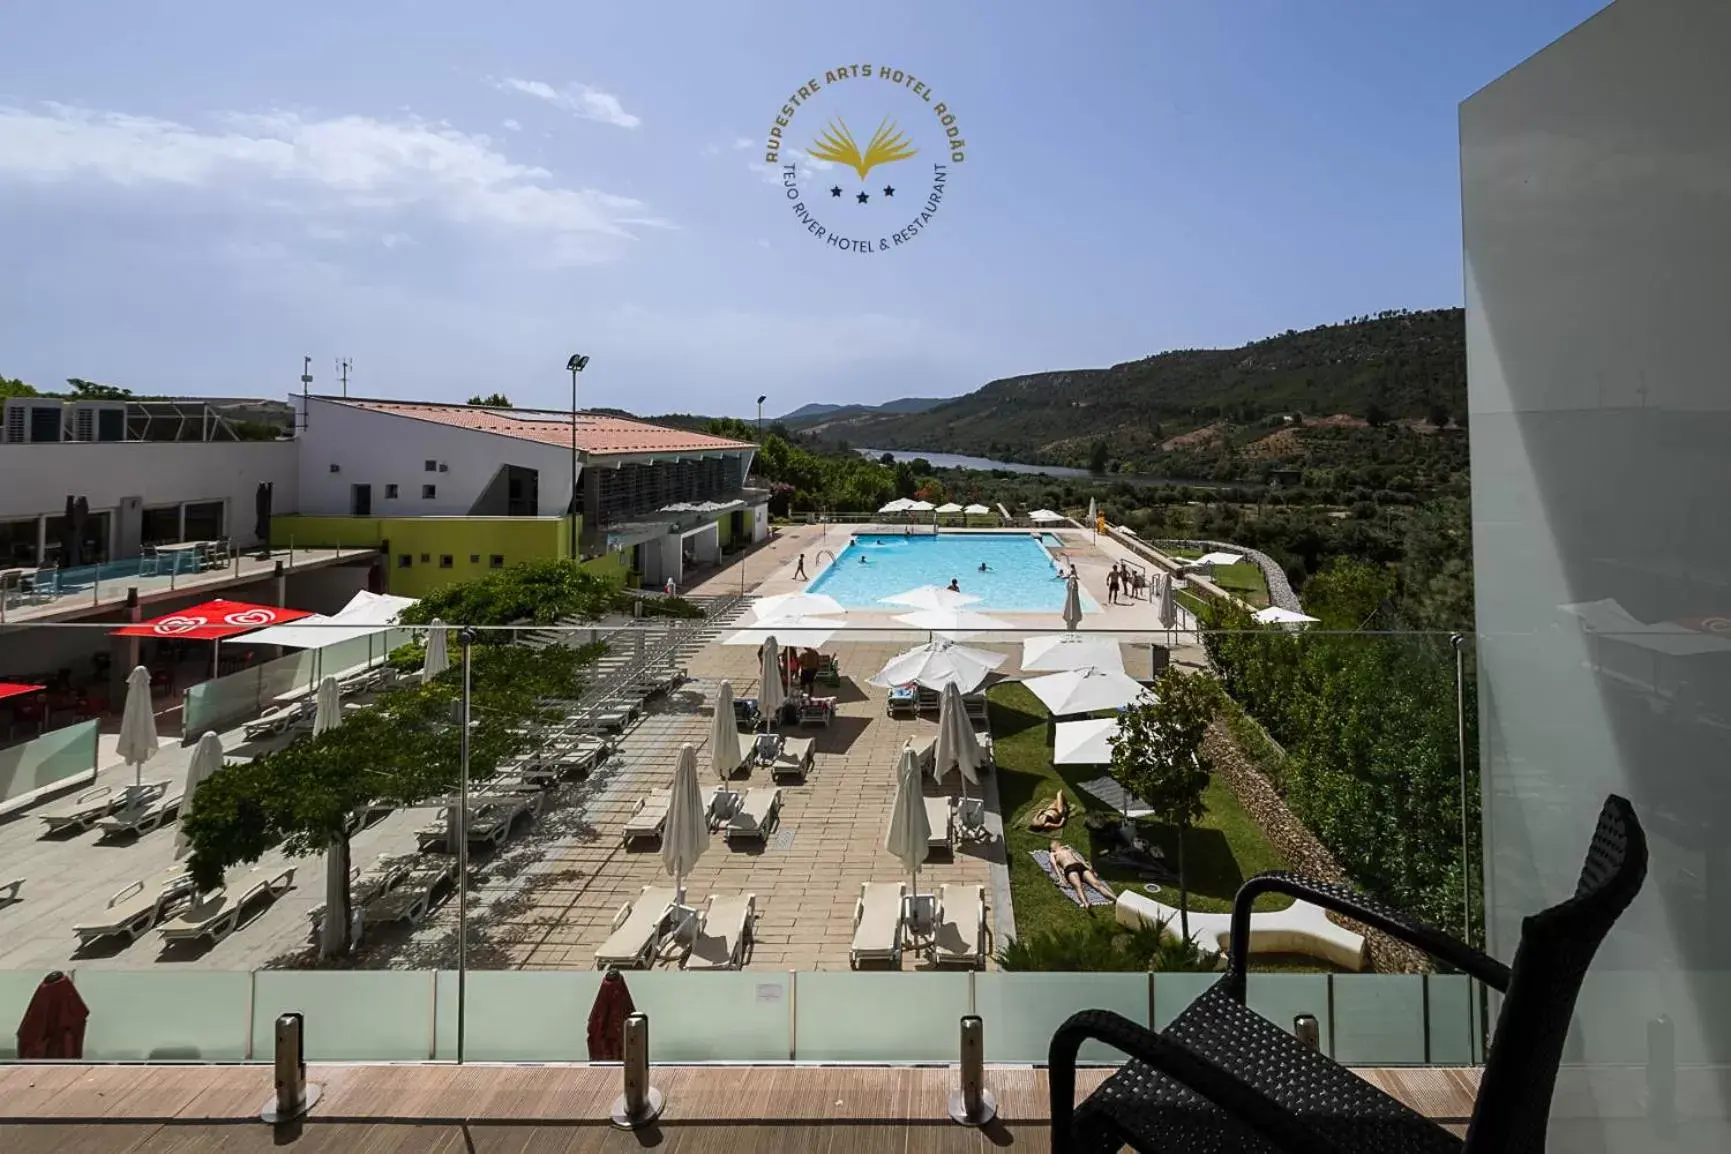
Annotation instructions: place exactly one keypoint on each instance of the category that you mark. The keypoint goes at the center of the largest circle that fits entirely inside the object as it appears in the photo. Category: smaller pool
(1021, 576)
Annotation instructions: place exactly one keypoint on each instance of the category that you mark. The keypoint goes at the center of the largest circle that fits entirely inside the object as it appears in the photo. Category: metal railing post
(293, 1096)
(1662, 1074)
(1305, 1029)
(641, 1103)
(973, 1104)
(466, 638)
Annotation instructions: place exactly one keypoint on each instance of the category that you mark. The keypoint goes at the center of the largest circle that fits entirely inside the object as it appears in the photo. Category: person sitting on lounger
(1054, 815)
(1077, 873)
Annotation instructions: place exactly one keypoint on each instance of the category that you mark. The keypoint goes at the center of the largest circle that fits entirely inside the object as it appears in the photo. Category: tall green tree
(1158, 755)
(491, 401)
(12, 387)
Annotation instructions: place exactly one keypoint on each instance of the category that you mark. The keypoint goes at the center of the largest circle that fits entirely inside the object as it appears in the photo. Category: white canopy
(438, 657)
(724, 751)
(1045, 515)
(899, 505)
(365, 614)
(1087, 690)
(685, 833)
(771, 694)
(949, 507)
(206, 760)
(1070, 651)
(930, 597)
(138, 742)
(957, 747)
(909, 835)
(1073, 600)
(975, 510)
(919, 506)
(1275, 615)
(795, 605)
(938, 664)
(1217, 559)
(1165, 608)
(806, 632)
(952, 623)
(1086, 742)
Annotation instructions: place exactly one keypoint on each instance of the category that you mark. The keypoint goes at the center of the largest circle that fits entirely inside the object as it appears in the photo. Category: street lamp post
(760, 401)
(575, 365)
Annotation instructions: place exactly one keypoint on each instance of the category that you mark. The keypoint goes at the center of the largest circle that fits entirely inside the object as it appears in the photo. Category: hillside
(810, 416)
(1394, 365)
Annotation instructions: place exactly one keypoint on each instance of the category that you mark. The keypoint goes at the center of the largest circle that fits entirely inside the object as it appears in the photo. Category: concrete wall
(36, 479)
(1598, 242)
(380, 449)
(470, 542)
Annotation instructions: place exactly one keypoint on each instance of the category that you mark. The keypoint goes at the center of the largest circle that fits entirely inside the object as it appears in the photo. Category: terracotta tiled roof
(598, 434)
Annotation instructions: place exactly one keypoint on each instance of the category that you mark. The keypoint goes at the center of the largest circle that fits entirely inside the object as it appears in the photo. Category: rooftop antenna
(344, 364)
(306, 387)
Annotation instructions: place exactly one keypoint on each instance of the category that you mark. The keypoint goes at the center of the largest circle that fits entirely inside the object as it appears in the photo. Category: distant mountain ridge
(807, 415)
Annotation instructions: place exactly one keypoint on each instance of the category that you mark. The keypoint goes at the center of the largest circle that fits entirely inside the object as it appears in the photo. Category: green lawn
(1221, 851)
(1244, 579)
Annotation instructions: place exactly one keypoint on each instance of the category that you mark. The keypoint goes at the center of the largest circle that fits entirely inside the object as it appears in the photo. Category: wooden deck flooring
(553, 1110)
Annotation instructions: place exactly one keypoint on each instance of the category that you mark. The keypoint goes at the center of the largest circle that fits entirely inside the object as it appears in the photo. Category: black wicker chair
(1223, 1078)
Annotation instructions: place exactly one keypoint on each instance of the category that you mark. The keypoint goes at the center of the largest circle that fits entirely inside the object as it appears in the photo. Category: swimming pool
(1020, 575)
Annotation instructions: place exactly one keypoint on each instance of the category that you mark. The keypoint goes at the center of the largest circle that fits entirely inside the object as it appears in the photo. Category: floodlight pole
(760, 401)
(575, 365)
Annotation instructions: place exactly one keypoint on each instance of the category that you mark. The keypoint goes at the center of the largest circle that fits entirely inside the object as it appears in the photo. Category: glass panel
(521, 1017)
(1379, 1019)
(720, 1017)
(166, 1016)
(55, 758)
(204, 521)
(18, 543)
(352, 1016)
(16, 989)
(859, 1017)
(1020, 1011)
(1454, 1024)
(1282, 997)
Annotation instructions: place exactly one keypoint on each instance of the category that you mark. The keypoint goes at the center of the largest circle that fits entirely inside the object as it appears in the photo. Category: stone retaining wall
(1303, 852)
(1279, 588)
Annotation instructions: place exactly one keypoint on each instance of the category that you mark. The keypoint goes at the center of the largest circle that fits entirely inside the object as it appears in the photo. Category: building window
(428, 492)
(390, 492)
(444, 560)
(474, 558)
(496, 561)
(204, 521)
(426, 557)
(404, 560)
(432, 466)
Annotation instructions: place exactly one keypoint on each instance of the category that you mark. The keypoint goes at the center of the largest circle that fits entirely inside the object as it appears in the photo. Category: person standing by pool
(799, 570)
(809, 662)
(1112, 585)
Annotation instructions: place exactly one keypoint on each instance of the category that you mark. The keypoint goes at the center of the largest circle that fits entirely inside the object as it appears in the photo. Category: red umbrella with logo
(212, 621)
(53, 1025)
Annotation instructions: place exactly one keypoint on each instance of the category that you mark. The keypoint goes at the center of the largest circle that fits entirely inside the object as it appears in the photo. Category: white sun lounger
(961, 930)
(648, 817)
(410, 899)
(723, 932)
(217, 914)
(274, 720)
(925, 751)
(941, 817)
(83, 811)
(877, 924)
(142, 815)
(637, 929)
(794, 760)
(757, 813)
(134, 909)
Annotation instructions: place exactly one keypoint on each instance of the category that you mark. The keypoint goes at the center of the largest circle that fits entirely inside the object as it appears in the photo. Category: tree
(537, 592)
(92, 391)
(12, 387)
(1438, 415)
(1097, 457)
(1375, 415)
(887, 460)
(1157, 754)
(491, 401)
(307, 798)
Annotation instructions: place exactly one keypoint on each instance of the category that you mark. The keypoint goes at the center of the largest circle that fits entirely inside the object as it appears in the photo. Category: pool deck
(548, 898)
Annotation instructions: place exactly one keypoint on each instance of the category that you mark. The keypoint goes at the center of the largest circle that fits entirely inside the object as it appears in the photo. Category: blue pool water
(1021, 574)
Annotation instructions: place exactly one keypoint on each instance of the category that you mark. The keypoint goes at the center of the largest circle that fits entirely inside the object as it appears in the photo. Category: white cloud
(809, 166)
(396, 239)
(325, 167)
(511, 125)
(741, 143)
(711, 150)
(580, 100)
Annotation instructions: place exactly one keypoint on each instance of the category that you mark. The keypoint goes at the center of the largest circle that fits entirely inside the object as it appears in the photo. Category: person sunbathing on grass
(1077, 873)
(1053, 816)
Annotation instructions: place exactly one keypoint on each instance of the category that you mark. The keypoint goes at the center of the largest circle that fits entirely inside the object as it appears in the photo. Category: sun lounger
(985, 740)
(745, 713)
(650, 815)
(83, 811)
(383, 876)
(756, 814)
(829, 669)
(817, 711)
(410, 899)
(638, 928)
(795, 758)
(974, 705)
(905, 700)
(274, 720)
(764, 750)
(723, 933)
(877, 924)
(941, 817)
(961, 927)
(140, 816)
(217, 914)
(133, 910)
(491, 817)
(971, 820)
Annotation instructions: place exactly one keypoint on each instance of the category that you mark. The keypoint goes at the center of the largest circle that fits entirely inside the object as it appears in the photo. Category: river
(958, 461)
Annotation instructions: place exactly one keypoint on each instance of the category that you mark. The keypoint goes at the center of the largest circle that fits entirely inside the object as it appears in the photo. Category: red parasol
(53, 1025)
(213, 620)
(13, 689)
(607, 1019)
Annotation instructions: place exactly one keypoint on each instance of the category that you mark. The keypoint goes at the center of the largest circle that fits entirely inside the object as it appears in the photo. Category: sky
(457, 196)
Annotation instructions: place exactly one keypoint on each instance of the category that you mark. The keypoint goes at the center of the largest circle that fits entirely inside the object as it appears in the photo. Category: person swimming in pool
(955, 586)
(984, 567)
(862, 558)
